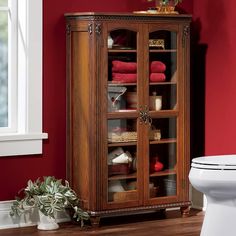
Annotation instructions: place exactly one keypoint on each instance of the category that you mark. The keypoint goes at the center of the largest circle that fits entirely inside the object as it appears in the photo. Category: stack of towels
(157, 69)
(126, 72)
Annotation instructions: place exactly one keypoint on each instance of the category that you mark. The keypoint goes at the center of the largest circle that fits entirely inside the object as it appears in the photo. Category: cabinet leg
(163, 213)
(185, 211)
(95, 221)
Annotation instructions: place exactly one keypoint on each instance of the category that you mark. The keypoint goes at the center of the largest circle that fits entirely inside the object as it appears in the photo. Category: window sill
(21, 144)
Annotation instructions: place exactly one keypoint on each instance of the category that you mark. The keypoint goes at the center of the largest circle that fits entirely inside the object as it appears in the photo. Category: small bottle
(155, 102)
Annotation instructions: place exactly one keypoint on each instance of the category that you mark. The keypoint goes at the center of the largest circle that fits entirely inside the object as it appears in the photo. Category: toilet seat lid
(221, 162)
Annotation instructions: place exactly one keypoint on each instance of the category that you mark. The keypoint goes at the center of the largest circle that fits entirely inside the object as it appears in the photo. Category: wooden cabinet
(128, 111)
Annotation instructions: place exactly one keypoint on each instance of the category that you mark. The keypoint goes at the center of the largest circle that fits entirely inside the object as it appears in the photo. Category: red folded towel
(124, 78)
(157, 67)
(124, 67)
(157, 77)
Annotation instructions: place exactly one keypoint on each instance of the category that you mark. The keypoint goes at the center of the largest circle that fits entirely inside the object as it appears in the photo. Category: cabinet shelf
(122, 50)
(112, 84)
(162, 83)
(119, 177)
(163, 173)
(162, 51)
(128, 114)
(121, 84)
(134, 175)
(161, 141)
(119, 144)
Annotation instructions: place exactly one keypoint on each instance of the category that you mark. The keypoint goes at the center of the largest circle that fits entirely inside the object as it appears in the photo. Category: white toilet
(215, 176)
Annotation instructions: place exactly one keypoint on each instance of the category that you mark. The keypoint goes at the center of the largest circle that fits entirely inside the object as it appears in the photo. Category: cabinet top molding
(127, 14)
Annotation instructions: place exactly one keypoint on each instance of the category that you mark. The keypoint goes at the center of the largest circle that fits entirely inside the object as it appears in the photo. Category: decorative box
(119, 169)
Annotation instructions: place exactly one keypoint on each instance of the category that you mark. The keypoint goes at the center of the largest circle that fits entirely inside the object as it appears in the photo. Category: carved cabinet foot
(95, 221)
(185, 211)
(163, 213)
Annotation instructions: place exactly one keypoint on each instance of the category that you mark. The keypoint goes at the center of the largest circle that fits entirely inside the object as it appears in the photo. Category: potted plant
(49, 195)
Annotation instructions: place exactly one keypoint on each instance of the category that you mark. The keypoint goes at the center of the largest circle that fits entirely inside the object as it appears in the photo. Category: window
(4, 63)
(21, 77)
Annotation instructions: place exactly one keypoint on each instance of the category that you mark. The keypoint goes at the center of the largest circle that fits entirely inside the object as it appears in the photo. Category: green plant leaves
(49, 195)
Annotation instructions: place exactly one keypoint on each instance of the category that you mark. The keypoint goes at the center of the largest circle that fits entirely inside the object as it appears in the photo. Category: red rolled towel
(124, 67)
(124, 78)
(157, 77)
(157, 67)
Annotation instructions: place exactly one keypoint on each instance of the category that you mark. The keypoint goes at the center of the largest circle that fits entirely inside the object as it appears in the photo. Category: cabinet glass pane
(162, 97)
(163, 186)
(122, 71)
(162, 70)
(122, 160)
(162, 157)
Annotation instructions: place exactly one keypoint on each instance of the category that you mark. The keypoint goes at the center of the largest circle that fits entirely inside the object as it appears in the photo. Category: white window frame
(27, 136)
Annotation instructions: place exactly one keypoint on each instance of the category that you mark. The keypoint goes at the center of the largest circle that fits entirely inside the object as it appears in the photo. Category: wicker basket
(154, 134)
(125, 196)
(131, 136)
(122, 137)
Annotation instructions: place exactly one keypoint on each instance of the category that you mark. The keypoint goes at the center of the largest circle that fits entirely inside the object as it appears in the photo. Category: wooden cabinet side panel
(186, 74)
(80, 115)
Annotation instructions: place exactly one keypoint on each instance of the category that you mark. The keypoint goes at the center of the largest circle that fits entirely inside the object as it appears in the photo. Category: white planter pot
(46, 222)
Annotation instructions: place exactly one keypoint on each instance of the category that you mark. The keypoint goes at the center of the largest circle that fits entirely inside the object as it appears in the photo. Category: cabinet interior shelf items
(128, 111)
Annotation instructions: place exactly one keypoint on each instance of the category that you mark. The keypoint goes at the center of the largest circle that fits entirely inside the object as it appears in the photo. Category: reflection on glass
(3, 68)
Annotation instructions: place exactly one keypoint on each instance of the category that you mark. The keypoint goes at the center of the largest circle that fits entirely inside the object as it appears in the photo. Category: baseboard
(30, 218)
(198, 199)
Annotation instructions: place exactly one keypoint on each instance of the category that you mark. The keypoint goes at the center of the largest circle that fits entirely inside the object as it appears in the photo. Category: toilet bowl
(215, 176)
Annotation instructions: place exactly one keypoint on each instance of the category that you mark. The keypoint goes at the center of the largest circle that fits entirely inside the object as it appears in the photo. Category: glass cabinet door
(122, 103)
(163, 106)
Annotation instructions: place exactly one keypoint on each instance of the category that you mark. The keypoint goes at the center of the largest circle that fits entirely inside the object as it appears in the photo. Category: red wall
(15, 171)
(218, 24)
